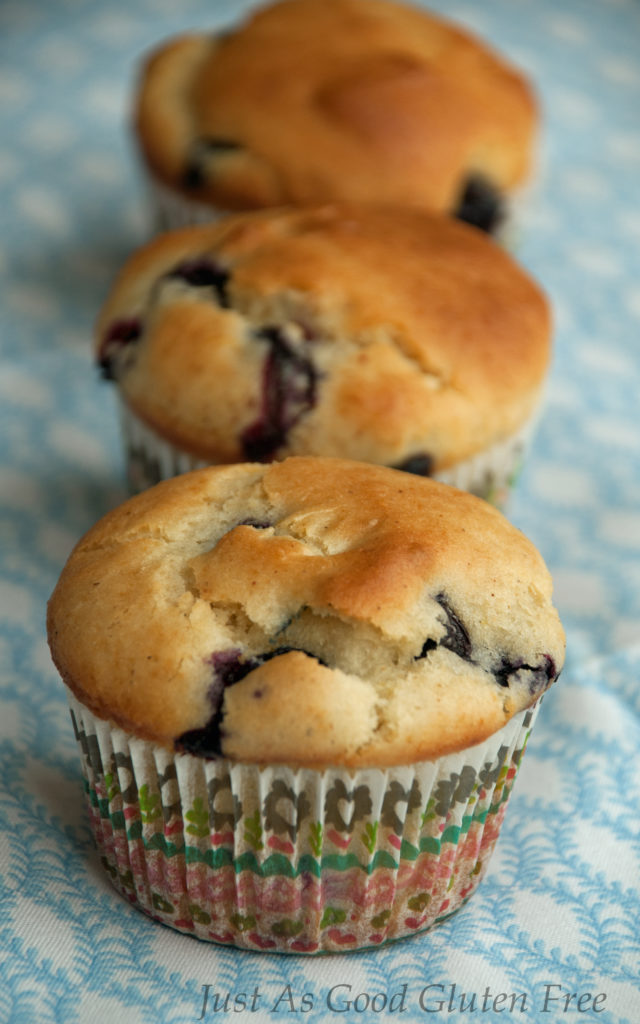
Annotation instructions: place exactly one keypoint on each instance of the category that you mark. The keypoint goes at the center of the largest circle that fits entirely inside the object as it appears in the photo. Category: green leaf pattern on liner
(150, 806)
(332, 916)
(243, 922)
(160, 903)
(315, 838)
(428, 832)
(198, 914)
(111, 786)
(370, 835)
(429, 814)
(198, 816)
(280, 864)
(253, 831)
(287, 928)
(380, 920)
(419, 902)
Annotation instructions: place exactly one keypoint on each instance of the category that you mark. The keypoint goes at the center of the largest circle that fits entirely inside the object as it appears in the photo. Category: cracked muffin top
(313, 611)
(381, 334)
(314, 100)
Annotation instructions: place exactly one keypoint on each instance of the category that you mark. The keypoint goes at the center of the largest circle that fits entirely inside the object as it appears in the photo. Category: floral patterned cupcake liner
(490, 474)
(294, 860)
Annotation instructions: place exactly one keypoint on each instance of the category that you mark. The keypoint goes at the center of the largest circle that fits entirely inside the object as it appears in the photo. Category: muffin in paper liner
(290, 332)
(489, 474)
(170, 210)
(312, 684)
(295, 860)
(392, 103)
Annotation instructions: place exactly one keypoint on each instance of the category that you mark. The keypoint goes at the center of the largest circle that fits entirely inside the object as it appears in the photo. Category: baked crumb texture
(381, 334)
(312, 612)
(407, 108)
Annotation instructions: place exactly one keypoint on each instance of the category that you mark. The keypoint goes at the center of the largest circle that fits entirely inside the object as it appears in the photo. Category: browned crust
(350, 571)
(405, 108)
(428, 336)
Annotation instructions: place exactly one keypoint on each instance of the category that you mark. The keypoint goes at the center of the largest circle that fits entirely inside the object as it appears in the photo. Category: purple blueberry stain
(203, 273)
(506, 672)
(119, 335)
(456, 638)
(218, 144)
(288, 392)
(481, 204)
(419, 465)
(538, 677)
(193, 177)
(229, 667)
(198, 161)
(428, 645)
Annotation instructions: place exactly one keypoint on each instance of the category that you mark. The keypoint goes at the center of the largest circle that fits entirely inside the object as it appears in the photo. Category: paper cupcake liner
(294, 860)
(490, 474)
(148, 457)
(522, 201)
(171, 210)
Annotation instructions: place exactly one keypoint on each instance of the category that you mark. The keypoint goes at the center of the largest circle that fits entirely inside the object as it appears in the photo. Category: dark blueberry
(288, 391)
(428, 645)
(193, 177)
(213, 144)
(420, 465)
(481, 205)
(538, 676)
(203, 273)
(205, 742)
(456, 638)
(505, 669)
(229, 667)
(550, 668)
(120, 334)
(257, 524)
(195, 173)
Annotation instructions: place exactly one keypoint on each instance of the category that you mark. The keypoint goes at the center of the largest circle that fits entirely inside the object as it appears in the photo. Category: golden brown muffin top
(373, 333)
(314, 611)
(314, 100)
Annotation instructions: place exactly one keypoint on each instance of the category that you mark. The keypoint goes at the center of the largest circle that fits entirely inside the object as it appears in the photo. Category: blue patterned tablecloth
(557, 918)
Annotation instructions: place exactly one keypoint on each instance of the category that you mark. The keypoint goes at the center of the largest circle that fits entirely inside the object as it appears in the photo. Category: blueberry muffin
(316, 100)
(302, 691)
(383, 334)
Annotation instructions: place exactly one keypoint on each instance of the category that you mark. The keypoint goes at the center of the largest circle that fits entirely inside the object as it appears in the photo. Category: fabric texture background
(559, 910)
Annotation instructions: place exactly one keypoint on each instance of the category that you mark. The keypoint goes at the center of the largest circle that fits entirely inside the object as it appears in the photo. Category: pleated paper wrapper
(294, 860)
(490, 474)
